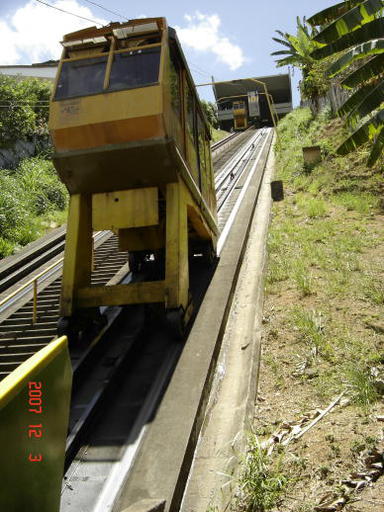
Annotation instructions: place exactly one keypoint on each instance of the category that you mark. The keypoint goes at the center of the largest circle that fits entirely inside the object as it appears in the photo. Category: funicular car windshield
(81, 77)
(130, 69)
(135, 69)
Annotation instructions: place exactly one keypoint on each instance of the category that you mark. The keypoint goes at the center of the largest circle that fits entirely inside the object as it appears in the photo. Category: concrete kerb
(147, 506)
(230, 411)
(163, 463)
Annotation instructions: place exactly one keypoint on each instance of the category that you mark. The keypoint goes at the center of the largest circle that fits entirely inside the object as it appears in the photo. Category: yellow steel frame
(77, 293)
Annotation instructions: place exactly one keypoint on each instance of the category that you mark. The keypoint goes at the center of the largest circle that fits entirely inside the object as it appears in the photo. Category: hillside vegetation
(324, 331)
(32, 198)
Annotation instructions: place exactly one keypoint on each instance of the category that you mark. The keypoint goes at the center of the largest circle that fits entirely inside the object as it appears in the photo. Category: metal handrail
(34, 282)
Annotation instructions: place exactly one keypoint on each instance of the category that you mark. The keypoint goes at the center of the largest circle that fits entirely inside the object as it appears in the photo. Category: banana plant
(354, 31)
(298, 48)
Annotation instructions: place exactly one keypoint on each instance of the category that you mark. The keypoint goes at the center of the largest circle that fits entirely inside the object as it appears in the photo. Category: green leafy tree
(210, 112)
(23, 108)
(353, 32)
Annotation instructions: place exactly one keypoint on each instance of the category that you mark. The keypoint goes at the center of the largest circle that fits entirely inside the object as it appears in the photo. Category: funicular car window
(135, 68)
(81, 77)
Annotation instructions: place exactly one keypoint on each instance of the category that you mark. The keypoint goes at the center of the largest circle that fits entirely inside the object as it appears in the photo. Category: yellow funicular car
(240, 115)
(133, 148)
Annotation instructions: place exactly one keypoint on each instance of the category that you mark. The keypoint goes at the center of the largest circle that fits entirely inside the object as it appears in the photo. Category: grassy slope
(218, 134)
(324, 328)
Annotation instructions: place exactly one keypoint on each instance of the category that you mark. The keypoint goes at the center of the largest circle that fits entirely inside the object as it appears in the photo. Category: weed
(323, 472)
(262, 481)
(374, 291)
(303, 279)
(6, 248)
(276, 371)
(335, 450)
(362, 386)
(277, 270)
(316, 208)
(310, 325)
(367, 443)
(362, 203)
(30, 196)
(305, 507)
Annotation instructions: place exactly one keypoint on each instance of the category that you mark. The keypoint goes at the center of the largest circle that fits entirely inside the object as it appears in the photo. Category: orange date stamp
(35, 406)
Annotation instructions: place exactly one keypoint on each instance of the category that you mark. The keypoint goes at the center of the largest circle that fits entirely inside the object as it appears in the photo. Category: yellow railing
(34, 283)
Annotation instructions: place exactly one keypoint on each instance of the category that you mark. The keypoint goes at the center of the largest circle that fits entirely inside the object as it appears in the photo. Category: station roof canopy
(278, 85)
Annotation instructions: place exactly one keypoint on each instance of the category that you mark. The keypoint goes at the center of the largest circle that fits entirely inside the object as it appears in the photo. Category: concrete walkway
(230, 410)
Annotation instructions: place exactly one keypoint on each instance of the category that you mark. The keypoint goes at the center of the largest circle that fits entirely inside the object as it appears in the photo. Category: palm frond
(377, 149)
(332, 13)
(281, 52)
(369, 31)
(368, 102)
(289, 61)
(354, 101)
(367, 71)
(352, 19)
(281, 41)
(368, 131)
(362, 51)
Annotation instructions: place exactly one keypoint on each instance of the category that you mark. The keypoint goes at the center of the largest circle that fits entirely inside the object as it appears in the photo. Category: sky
(217, 40)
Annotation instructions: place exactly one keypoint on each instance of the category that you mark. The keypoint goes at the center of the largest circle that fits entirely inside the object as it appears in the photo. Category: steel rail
(33, 256)
(225, 140)
(230, 184)
(235, 160)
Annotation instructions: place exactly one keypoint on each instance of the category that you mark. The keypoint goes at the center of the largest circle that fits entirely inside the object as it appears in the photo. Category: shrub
(12, 206)
(45, 191)
(26, 195)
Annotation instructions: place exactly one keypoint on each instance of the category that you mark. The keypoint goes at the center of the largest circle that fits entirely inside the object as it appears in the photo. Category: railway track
(150, 362)
(229, 150)
(101, 443)
(223, 142)
(20, 337)
(13, 269)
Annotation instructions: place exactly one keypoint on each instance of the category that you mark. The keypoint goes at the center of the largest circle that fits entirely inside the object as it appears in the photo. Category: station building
(41, 70)
(229, 94)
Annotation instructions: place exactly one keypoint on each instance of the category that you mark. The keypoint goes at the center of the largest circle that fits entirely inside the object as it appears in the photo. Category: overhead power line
(67, 12)
(108, 10)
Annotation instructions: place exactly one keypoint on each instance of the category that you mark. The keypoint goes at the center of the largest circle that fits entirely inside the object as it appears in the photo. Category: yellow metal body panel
(95, 135)
(34, 411)
(104, 108)
(125, 209)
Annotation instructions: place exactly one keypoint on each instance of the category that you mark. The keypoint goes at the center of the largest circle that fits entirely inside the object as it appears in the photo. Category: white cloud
(202, 33)
(33, 32)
